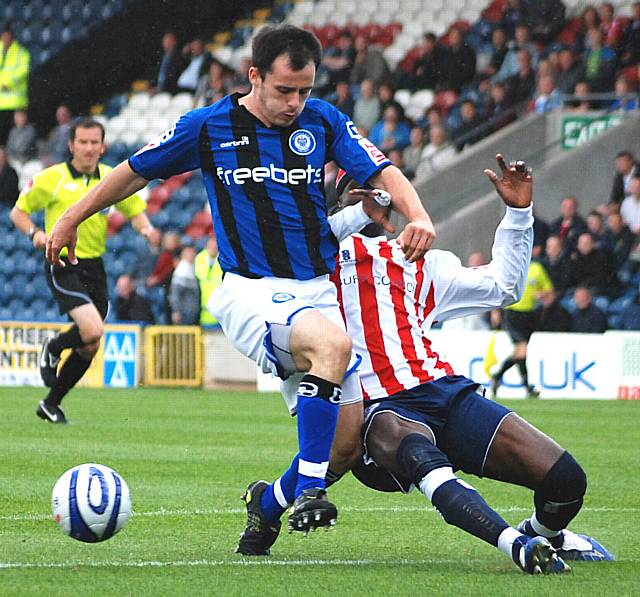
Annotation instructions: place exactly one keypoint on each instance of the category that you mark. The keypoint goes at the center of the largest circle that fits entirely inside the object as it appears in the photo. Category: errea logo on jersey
(295, 176)
(375, 155)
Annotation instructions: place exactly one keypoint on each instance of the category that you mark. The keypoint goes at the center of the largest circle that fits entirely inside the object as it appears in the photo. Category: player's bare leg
(84, 340)
(523, 455)
(347, 447)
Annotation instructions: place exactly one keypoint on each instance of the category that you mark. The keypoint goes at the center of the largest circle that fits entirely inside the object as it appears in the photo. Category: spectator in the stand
(428, 66)
(397, 159)
(570, 71)
(545, 19)
(499, 108)
(588, 319)
(595, 224)
(392, 132)
(621, 239)
(631, 45)
(459, 62)
(600, 62)
(171, 65)
(8, 181)
(412, 154)
(367, 108)
(470, 131)
(624, 101)
(499, 49)
(612, 27)
(386, 93)
(57, 149)
(338, 60)
(512, 61)
(630, 207)
(209, 274)
(548, 98)
(184, 292)
(199, 60)
(570, 225)
(523, 83)
(590, 22)
(212, 86)
(369, 63)
(342, 98)
(552, 316)
(147, 259)
(513, 16)
(128, 304)
(15, 64)
(630, 316)
(438, 154)
(626, 168)
(239, 82)
(557, 264)
(593, 268)
(582, 91)
(161, 276)
(22, 144)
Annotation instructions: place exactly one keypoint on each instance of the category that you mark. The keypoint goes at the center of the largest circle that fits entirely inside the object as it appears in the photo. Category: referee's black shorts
(76, 285)
(519, 324)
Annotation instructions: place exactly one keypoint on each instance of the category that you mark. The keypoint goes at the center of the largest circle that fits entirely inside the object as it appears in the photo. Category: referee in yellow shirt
(80, 290)
(519, 320)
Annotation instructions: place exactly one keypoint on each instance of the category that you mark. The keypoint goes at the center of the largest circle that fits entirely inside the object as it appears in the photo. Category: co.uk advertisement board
(117, 363)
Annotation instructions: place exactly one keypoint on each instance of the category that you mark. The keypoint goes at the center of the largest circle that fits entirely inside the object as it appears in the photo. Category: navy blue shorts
(463, 421)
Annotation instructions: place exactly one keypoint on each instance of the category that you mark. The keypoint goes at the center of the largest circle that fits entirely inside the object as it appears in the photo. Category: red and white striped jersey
(389, 304)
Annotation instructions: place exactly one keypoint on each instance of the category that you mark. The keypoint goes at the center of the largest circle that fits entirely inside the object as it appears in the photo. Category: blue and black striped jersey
(265, 184)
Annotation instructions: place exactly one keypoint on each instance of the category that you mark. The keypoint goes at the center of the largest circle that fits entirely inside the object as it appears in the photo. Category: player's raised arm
(419, 234)
(120, 183)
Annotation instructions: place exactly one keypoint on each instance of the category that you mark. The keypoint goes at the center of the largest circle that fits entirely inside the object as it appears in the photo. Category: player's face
(283, 92)
(87, 148)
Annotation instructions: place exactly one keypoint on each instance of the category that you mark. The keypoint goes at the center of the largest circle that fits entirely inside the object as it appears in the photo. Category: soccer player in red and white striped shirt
(422, 421)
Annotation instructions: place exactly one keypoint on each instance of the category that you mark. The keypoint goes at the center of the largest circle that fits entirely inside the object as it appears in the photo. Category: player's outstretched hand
(516, 185)
(374, 208)
(63, 235)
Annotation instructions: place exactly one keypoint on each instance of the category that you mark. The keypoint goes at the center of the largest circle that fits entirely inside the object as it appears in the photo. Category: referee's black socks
(69, 339)
(70, 374)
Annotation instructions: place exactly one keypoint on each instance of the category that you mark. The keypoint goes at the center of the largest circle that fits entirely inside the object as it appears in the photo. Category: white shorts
(244, 307)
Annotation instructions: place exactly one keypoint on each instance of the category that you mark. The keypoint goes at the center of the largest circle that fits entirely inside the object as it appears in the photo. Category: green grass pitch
(187, 456)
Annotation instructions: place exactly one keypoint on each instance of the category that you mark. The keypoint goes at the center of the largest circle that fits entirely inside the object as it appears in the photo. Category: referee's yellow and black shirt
(60, 186)
(538, 281)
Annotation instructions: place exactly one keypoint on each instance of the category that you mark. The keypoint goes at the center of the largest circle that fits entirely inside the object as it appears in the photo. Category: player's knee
(566, 480)
(417, 457)
(91, 332)
(383, 438)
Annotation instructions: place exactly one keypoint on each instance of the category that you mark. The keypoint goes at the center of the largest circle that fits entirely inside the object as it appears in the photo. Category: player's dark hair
(85, 123)
(299, 45)
(625, 153)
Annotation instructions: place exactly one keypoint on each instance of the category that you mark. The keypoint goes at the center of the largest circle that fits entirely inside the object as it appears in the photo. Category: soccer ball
(91, 502)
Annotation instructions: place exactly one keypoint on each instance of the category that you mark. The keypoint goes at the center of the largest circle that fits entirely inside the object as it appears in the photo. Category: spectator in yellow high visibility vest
(15, 63)
(209, 274)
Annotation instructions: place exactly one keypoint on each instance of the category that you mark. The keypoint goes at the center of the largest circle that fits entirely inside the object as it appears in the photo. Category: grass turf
(188, 455)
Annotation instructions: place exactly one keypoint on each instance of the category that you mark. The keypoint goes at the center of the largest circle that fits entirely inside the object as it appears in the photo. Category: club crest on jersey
(302, 142)
(282, 297)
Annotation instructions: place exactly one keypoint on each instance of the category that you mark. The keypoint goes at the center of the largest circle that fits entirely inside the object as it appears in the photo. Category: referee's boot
(48, 365)
(312, 510)
(51, 412)
(260, 533)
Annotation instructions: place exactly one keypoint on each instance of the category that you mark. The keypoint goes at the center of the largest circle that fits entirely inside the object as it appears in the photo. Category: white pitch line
(354, 509)
(215, 563)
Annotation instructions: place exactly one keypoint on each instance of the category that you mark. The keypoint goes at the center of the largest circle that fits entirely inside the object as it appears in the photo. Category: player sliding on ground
(422, 421)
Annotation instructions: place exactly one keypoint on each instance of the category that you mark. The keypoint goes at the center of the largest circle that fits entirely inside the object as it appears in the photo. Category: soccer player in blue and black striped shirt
(263, 156)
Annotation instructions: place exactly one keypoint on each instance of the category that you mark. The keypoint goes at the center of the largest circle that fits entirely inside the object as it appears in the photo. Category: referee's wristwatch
(32, 232)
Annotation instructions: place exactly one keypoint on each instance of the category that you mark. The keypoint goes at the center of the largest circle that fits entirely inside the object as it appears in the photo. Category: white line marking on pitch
(356, 510)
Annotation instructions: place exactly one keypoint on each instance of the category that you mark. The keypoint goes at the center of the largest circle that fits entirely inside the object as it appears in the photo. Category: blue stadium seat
(5, 314)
